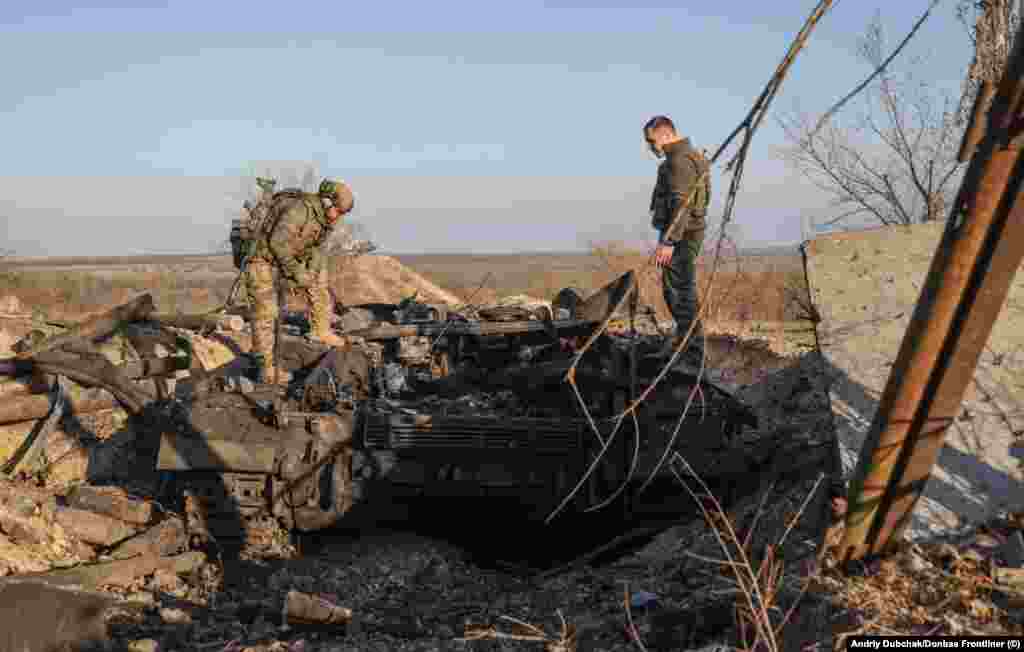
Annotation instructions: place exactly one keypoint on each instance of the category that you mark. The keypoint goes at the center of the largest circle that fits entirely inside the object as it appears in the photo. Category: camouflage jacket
(294, 233)
(676, 176)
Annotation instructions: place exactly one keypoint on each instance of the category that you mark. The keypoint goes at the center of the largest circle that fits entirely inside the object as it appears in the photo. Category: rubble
(37, 616)
(947, 588)
(132, 543)
(93, 328)
(233, 323)
(94, 529)
(113, 502)
(304, 609)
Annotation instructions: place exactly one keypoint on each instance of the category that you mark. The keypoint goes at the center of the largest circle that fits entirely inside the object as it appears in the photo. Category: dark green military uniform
(678, 209)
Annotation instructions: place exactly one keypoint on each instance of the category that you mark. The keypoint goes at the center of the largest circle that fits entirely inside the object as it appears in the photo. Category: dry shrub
(746, 291)
(757, 568)
(742, 291)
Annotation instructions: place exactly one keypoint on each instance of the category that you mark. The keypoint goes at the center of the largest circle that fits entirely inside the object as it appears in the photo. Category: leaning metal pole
(963, 294)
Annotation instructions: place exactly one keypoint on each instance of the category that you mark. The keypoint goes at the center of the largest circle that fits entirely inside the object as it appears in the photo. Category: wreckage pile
(465, 382)
(428, 402)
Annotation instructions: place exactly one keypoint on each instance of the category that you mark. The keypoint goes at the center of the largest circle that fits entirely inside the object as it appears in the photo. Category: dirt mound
(7, 340)
(10, 305)
(382, 279)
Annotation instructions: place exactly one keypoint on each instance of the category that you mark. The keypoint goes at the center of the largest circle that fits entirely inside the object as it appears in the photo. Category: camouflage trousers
(259, 283)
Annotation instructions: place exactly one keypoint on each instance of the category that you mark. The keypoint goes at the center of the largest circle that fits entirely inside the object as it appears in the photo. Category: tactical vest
(698, 202)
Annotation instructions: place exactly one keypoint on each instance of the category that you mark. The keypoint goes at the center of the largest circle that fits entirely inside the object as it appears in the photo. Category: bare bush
(746, 291)
(894, 160)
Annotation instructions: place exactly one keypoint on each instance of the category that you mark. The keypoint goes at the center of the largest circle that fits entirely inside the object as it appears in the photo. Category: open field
(543, 275)
(751, 293)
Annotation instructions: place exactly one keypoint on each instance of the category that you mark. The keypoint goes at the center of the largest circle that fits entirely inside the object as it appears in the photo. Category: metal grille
(428, 432)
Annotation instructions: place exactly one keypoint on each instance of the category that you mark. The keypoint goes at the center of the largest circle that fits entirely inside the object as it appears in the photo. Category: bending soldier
(292, 237)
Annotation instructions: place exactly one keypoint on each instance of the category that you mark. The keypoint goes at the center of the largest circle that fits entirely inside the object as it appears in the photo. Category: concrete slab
(865, 285)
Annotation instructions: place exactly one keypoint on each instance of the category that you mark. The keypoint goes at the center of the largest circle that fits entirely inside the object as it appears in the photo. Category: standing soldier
(291, 233)
(678, 207)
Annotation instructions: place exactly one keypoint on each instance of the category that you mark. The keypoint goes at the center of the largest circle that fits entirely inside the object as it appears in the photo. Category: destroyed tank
(431, 405)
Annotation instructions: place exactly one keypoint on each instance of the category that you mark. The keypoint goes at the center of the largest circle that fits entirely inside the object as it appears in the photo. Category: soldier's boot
(263, 352)
(273, 375)
(320, 325)
(330, 339)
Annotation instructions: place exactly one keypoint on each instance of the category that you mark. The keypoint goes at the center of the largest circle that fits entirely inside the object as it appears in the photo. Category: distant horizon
(751, 247)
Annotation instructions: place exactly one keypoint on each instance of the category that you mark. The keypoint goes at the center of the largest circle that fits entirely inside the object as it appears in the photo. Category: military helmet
(336, 193)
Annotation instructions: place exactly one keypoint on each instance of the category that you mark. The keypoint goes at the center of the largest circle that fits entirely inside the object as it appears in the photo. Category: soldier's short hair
(660, 122)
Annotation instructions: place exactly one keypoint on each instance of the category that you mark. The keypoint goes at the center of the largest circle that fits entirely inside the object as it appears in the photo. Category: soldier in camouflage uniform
(678, 208)
(292, 229)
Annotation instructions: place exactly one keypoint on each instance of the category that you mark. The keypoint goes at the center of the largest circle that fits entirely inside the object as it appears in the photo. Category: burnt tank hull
(454, 411)
(518, 442)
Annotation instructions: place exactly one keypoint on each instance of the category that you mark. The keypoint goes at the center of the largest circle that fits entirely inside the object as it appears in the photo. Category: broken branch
(96, 327)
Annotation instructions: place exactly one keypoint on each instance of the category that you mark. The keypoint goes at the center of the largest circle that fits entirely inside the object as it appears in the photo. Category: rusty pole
(976, 123)
(963, 294)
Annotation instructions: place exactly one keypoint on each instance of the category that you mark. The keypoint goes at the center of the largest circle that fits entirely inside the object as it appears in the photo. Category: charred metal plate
(227, 432)
(184, 453)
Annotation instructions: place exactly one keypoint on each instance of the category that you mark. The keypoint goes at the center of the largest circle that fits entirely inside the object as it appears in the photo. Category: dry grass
(749, 288)
(934, 589)
(752, 293)
(66, 295)
(758, 575)
(564, 641)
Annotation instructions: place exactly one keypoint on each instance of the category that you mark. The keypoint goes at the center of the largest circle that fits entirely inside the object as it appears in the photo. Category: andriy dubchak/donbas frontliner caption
(947, 642)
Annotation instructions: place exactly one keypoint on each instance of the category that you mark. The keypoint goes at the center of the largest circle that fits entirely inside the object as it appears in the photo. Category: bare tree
(991, 26)
(350, 238)
(890, 160)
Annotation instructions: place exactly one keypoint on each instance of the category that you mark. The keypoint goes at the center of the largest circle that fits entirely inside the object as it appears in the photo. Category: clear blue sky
(486, 126)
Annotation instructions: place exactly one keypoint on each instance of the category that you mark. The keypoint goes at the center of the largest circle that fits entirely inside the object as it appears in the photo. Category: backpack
(265, 225)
